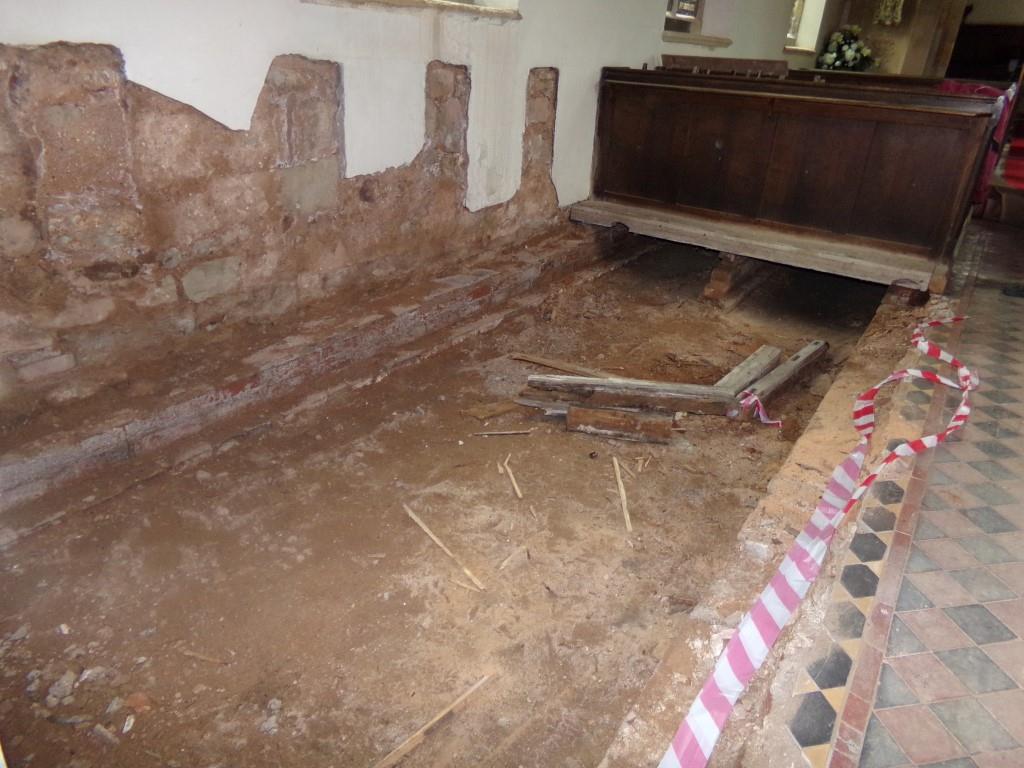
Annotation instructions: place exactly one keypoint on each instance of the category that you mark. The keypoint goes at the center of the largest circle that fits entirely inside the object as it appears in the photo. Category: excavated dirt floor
(273, 604)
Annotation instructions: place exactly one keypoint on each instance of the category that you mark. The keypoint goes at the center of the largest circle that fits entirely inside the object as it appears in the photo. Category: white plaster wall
(214, 54)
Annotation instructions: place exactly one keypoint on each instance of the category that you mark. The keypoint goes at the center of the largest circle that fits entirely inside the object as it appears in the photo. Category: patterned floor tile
(936, 630)
(976, 670)
(1010, 658)
(973, 726)
(832, 670)
(928, 678)
(947, 554)
(1008, 708)
(988, 520)
(814, 720)
(987, 550)
(902, 640)
(920, 734)
(983, 585)
(879, 519)
(911, 598)
(1011, 759)
(941, 589)
(880, 749)
(1012, 574)
(980, 624)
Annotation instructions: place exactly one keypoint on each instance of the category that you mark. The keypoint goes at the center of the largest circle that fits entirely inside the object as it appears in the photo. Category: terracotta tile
(1009, 657)
(941, 589)
(1012, 574)
(936, 630)
(1008, 708)
(840, 760)
(948, 554)
(1011, 613)
(865, 676)
(928, 678)
(877, 629)
(856, 712)
(920, 734)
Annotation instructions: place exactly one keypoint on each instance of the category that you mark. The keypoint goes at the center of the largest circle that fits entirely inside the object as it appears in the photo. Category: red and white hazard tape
(760, 628)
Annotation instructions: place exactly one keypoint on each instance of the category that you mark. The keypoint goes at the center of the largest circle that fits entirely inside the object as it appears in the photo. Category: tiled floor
(949, 688)
(923, 664)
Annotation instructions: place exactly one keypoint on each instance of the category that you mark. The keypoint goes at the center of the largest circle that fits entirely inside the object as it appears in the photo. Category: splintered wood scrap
(508, 559)
(507, 433)
(201, 656)
(622, 495)
(486, 411)
(394, 757)
(433, 537)
(558, 365)
(501, 469)
(619, 425)
(625, 468)
(512, 477)
(533, 512)
(463, 584)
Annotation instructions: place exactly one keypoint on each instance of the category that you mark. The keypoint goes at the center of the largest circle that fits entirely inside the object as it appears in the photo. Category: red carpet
(1013, 167)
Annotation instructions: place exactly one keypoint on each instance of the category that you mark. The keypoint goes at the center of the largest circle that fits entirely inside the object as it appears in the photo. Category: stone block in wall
(301, 105)
(91, 229)
(311, 188)
(447, 108)
(67, 104)
(212, 278)
(18, 236)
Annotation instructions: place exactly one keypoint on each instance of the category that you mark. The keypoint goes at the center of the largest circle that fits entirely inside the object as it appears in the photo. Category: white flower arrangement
(845, 50)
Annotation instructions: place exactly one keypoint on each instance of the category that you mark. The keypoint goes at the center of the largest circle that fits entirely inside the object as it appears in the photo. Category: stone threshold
(313, 352)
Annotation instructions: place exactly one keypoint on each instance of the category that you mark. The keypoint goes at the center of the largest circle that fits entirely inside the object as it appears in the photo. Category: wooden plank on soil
(620, 425)
(637, 393)
(558, 365)
(396, 756)
(750, 370)
(786, 373)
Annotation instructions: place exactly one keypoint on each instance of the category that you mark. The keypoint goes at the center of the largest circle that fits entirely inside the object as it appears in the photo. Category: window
(498, 9)
(683, 16)
(805, 20)
(794, 22)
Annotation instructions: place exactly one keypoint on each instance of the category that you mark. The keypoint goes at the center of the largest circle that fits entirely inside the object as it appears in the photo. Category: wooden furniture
(871, 183)
(714, 65)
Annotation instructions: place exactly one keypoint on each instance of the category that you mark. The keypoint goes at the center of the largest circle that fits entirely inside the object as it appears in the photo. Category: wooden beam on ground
(733, 278)
(750, 370)
(620, 425)
(396, 756)
(638, 393)
(789, 371)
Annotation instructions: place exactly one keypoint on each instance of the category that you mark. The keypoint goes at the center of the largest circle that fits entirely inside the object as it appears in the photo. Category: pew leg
(733, 278)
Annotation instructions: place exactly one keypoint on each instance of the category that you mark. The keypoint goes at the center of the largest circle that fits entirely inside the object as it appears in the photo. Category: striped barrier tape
(761, 626)
(749, 401)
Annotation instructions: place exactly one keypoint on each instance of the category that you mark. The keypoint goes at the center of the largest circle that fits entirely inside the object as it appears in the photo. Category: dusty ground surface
(273, 605)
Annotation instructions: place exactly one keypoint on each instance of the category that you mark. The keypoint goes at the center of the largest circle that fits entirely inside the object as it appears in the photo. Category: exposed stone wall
(129, 221)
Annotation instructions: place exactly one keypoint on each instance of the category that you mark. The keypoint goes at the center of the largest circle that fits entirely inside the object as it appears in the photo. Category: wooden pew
(714, 65)
(869, 182)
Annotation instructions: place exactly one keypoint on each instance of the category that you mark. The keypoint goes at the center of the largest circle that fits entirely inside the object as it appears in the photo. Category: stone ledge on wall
(130, 222)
